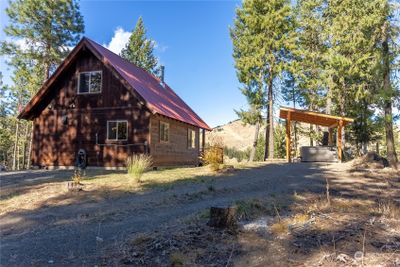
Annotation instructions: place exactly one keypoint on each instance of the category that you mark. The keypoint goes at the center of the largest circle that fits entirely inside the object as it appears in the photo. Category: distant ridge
(234, 134)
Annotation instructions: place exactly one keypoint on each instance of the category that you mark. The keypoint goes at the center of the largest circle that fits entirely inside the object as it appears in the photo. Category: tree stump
(222, 217)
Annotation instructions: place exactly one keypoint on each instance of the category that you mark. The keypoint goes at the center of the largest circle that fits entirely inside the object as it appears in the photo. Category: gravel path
(74, 235)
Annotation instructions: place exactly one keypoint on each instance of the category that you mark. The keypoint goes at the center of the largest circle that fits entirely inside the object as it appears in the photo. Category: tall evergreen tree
(353, 58)
(140, 50)
(46, 27)
(262, 38)
(308, 65)
(6, 129)
(389, 33)
(41, 32)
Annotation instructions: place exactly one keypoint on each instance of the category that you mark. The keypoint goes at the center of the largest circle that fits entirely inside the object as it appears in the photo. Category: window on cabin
(89, 82)
(191, 138)
(164, 131)
(117, 130)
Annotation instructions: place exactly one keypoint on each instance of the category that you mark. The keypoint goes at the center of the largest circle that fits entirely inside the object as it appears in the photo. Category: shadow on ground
(74, 228)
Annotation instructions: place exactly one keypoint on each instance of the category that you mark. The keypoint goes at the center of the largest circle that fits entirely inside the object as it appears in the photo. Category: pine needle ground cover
(301, 229)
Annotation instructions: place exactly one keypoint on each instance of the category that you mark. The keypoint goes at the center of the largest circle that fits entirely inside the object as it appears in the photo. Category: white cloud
(118, 41)
(160, 47)
(121, 38)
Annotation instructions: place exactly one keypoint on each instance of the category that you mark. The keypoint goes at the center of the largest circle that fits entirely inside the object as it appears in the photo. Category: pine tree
(6, 128)
(350, 61)
(389, 36)
(262, 38)
(140, 50)
(308, 54)
(41, 32)
(47, 27)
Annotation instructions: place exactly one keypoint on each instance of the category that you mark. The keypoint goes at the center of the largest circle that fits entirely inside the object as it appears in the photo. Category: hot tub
(318, 154)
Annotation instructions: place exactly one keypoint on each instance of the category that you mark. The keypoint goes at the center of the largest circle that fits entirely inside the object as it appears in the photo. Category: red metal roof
(160, 98)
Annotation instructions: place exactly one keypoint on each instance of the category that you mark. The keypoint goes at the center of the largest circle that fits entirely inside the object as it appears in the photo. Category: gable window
(191, 138)
(164, 131)
(117, 130)
(89, 82)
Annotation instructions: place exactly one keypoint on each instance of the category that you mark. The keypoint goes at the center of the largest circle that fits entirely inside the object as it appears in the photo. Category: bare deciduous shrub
(77, 177)
(214, 154)
(388, 208)
(137, 165)
(212, 157)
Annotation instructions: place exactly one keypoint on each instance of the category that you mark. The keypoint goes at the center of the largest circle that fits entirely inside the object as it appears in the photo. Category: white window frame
(79, 82)
(159, 132)
(190, 142)
(118, 121)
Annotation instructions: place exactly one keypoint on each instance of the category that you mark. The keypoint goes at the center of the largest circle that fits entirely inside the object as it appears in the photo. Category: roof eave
(24, 114)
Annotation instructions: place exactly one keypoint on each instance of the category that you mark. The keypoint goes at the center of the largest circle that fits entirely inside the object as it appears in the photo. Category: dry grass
(388, 208)
(137, 165)
(300, 218)
(100, 185)
(280, 228)
(302, 229)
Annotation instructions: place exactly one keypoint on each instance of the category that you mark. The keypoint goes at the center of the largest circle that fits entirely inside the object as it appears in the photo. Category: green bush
(137, 165)
(240, 155)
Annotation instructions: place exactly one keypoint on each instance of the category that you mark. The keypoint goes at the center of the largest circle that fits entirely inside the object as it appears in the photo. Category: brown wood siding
(176, 151)
(56, 144)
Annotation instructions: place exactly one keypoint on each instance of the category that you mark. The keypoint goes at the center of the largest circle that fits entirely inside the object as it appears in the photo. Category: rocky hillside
(237, 135)
(234, 134)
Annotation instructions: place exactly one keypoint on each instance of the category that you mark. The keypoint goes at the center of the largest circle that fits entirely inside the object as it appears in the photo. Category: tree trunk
(387, 106)
(342, 111)
(24, 146)
(295, 126)
(266, 150)
(270, 125)
(391, 150)
(15, 152)
(18, 160)
(255, 141)
(329, 102)
(311, 135)
(28, 166)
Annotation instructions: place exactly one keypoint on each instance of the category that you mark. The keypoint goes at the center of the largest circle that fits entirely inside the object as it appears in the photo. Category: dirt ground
(284, 220)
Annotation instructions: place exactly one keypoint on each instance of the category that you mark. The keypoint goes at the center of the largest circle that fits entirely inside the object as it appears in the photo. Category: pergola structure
(330, 121)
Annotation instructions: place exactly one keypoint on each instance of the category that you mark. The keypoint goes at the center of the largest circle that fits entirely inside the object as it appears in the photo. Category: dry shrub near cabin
(214, 154)
(137, 165)
(77, 177)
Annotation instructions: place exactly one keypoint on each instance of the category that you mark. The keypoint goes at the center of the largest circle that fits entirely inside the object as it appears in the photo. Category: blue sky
(192, 42)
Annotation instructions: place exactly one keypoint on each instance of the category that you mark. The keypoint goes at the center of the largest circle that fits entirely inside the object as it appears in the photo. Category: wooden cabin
(99, 104)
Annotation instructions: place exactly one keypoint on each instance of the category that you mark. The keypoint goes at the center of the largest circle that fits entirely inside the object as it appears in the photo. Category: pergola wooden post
(288, 145)
(330, 121)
